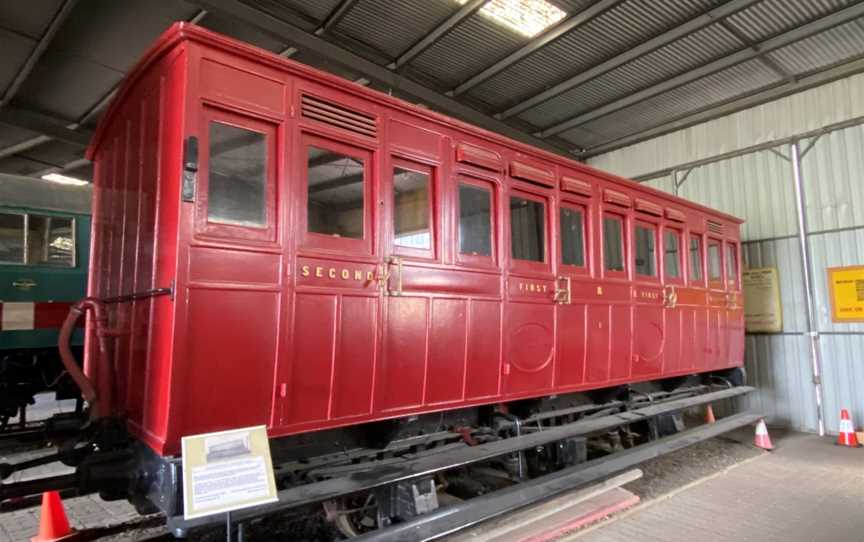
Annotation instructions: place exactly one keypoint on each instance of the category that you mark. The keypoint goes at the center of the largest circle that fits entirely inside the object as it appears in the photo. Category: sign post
(227, 471)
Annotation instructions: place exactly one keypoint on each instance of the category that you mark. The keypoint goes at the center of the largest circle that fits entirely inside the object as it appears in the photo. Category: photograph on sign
(227, 471)
(846, 285)
(762, 309)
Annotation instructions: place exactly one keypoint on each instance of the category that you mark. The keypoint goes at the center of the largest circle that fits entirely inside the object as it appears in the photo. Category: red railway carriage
(338, 256)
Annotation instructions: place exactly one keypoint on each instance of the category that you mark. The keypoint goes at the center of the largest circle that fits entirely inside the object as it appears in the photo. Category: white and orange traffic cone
(53, 524)
(709, 414)
(762, 439)
(847, 436)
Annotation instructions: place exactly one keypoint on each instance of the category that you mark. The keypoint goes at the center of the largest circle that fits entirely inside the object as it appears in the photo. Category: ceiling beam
(38, 51)
(335, 16)
(752, 100)
(766, 60)
(284, 30)
(467, 10)
(544, 39)
(43, 124)
(787, 38)
(693, 25)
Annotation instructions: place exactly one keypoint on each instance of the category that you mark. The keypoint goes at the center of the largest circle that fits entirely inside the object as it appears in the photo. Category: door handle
(562, 295)
(24, 284)
(670, 297)
(383, 278)
(397, 261)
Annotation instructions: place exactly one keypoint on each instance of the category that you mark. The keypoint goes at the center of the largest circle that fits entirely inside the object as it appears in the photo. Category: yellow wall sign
(227, 471)
(846, 285)
(762, 309)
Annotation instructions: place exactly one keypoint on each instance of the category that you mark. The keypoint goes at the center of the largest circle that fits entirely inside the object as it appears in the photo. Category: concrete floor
(808, 489)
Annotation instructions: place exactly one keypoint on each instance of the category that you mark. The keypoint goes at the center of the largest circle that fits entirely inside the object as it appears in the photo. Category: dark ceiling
(611, 73)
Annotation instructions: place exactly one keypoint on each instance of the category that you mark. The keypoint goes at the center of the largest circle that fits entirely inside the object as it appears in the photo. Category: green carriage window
(50, 240)
(11, 238)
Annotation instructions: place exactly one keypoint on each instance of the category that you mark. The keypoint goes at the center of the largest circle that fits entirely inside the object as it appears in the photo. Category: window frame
(236, 233)
(584, 208)
(322, 241)
(25, 260)
(655, 228)
(682, 271)
(625, 250)
(493, 187)
(732, 283)
(433, 252)
(701, 282)
(546, 200)
(714, 284)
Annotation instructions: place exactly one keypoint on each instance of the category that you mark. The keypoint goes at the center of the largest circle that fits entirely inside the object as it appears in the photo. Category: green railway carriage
(44, 255)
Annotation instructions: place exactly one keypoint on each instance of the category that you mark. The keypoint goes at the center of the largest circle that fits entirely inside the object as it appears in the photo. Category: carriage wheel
(354, 515)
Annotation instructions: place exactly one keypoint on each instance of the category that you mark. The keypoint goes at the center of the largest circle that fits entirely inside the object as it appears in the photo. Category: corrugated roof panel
(721, 86)
(607, 35)
(830, 47)
(772, 17)
(470, 47)
(685, 54)
(288, 9)
(392, 26)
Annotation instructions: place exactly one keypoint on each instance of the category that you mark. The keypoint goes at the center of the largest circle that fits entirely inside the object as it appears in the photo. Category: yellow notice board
(227, 471)
(846, 285)
(762, 309)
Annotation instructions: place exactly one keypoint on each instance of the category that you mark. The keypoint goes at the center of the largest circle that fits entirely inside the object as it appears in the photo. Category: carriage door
(717, 301)
(573, 289)
(673, 281)
(331, 353)
(529, 349)
(420, 361)
(734, 332)
(234, 263)
(649, 334)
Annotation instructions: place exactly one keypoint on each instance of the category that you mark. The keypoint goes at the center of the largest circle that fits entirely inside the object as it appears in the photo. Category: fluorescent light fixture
(528, 17)
(64, 179)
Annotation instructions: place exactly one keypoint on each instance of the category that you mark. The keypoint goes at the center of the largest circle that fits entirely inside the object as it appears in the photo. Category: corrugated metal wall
(759, 187)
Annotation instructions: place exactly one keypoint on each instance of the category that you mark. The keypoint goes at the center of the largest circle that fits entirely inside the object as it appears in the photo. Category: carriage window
(671, 254)
(695, 258)
(50, 241)
(527, 229)
(237, 179)
(715, 268)
(572, 237)
(645, 256)
(335, 196)
(613, 244)
(11, 238)
(731, 264)
(475, 220)
(411, 209)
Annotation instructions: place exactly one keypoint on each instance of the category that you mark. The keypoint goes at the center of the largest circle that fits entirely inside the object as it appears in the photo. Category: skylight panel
(64, 179)
(527, 17)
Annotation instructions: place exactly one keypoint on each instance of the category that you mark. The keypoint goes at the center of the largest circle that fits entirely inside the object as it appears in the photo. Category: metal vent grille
(715, 227)
(339, 116)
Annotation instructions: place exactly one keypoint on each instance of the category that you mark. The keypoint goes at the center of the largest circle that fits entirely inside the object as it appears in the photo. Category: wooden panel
(231, 266)
(483, 366)
(403, 357)
(480, 157)
(649, 207)
(571, 353)
(353, 368)
(414, 139)
(530, 347)
(619, 351)
(230, 84)
(597, 365)
(575, 186)
(312, 358)
(446, 371)
(617, 198)
(648, 340)
(676, 215)
(532, 173)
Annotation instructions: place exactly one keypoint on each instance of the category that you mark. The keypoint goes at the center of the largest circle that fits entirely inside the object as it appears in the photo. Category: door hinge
(190, 168)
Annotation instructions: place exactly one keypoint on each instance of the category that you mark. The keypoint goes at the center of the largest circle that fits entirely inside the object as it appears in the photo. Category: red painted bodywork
(282, 327)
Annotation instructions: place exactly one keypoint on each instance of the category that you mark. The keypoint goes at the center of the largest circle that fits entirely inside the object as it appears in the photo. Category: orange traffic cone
(847, 436)
(709, 414)
(53, 524)
(762, 439)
